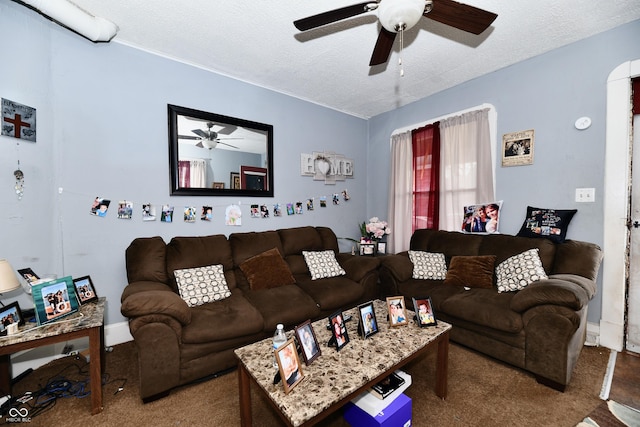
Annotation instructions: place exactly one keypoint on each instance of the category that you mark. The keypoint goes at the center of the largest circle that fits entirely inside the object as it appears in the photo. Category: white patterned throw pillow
(515, 273)
(201, 285)
(428, 265)
(322, 264)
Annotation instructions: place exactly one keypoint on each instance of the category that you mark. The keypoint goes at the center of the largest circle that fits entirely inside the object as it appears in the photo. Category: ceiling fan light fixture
(397, 15)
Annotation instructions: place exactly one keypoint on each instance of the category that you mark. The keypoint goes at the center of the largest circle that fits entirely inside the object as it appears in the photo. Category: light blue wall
(102, 131)
(547, 94)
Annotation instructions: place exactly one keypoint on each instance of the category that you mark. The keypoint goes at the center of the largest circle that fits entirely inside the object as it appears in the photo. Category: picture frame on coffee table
(368, 323)
(289, 365)
(397, 311)
(10, 314)
(339, 335)
(308, 342)
(425, 316)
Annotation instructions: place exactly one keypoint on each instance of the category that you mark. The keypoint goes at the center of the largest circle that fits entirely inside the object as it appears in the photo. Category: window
(432, 185)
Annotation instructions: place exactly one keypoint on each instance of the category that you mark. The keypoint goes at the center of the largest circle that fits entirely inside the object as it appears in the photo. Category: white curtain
(466, 173)
(198, 173)
(400, 193)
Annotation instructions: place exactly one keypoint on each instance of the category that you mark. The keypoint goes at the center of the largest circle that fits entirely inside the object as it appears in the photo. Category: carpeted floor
(482, 392)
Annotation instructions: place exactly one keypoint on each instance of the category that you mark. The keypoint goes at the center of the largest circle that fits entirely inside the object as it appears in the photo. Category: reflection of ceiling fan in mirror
(210, 138)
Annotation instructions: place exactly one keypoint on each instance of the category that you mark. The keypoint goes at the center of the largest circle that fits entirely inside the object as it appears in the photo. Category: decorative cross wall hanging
(18, 120)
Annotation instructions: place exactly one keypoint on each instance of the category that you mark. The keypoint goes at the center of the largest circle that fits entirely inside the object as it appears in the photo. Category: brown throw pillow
(471, 271)
(267, 270)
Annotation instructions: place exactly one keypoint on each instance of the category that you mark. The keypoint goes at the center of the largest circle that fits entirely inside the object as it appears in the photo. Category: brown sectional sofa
(178, 344)
(541, 328)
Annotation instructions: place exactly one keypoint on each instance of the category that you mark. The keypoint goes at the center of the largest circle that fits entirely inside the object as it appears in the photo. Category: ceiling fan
(400, 15)
(209, 138)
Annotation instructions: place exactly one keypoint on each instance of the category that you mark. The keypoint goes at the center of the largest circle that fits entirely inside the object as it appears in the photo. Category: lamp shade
(8, 279)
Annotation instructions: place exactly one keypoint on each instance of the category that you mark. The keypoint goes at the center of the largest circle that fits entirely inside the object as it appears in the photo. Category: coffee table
(335, 377)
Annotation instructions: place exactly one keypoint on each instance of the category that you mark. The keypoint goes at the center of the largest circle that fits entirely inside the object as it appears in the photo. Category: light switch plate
(585, 195)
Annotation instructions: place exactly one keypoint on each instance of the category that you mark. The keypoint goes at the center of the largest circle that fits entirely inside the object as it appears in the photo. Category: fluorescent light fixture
(69, 15)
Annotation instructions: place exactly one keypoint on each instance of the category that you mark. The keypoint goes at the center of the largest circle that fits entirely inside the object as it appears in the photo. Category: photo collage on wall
(231, 214)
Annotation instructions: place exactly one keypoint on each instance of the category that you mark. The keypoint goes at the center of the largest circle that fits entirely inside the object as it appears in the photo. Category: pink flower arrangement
(374, 229)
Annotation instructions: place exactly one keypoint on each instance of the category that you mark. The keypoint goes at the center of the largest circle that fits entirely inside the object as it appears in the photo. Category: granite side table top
(337, 374)
(89, 315)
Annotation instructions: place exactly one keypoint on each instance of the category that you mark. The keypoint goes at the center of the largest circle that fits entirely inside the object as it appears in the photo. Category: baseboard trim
(593, 335)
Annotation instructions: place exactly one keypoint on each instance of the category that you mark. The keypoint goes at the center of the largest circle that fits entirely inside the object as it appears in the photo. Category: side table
(88, 322)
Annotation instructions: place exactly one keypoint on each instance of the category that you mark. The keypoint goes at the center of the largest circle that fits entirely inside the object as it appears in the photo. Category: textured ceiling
(255, 41)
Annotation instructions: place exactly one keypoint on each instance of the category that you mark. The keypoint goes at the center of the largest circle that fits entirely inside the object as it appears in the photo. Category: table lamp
(8, 279)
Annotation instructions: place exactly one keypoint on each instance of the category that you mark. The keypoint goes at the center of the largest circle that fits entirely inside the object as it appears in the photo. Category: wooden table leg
(442, 366)
(5, 375)
(245, 396)
(95, 368)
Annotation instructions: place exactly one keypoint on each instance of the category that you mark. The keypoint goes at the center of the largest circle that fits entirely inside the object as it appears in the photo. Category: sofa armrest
(563, 290)
(357, 267)
(398, 266)
(156, 302)
(142, 286)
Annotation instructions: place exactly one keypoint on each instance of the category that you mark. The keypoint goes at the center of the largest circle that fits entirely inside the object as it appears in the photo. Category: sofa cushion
(428, 265)
(146, 260)
(485, 307)
(285, 304)
(548, 223)
(331, 293)
(471, 271)
(230, 318)
(520, 270)
(201, 285)
(246, 245)
(298, 239)
(267, 270)
(199, 251)
(322, 264)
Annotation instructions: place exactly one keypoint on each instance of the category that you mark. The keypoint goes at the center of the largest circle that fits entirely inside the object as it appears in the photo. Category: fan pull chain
(401, 49)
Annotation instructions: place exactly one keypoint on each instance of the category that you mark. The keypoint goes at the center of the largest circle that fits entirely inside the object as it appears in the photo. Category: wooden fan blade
(227, 129)
(200, 144)
(462, 16)
(383, 47)
(200, 133)
(331, 16)
(188, 137)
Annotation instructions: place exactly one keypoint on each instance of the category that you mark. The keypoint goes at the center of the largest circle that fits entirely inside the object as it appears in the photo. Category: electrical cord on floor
(60, 386)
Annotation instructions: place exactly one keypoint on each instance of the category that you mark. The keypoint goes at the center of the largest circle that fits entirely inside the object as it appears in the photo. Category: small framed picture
(424, 312)
(368, 320)
(28, 275)
(85, 290)
(54, 300)
(367, 249)
(338, 330)
(307, 338)
(10, 314)
(289, 365)
(382, 247)
(218, 185)
(397, 311)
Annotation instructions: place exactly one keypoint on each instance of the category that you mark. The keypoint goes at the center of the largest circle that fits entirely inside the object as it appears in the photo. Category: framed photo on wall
(517, 148)
(85, 290)
(54, 300)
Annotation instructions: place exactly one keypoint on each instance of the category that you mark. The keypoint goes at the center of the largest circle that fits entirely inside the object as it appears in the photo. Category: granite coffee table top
(337, 374)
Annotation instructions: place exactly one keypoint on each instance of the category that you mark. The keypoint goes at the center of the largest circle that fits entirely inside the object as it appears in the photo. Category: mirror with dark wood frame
(215, 155)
